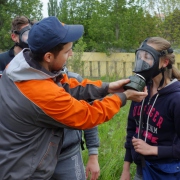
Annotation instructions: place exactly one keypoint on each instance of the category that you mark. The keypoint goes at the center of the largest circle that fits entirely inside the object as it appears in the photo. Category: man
(36, 104)
(72, 138)
(19, 34)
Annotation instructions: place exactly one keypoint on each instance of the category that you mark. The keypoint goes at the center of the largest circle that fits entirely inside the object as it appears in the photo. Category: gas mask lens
(143, 61)
(24, 36)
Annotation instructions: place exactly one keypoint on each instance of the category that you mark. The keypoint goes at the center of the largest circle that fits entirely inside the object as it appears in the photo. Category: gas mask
(146, 67)
(23, 37)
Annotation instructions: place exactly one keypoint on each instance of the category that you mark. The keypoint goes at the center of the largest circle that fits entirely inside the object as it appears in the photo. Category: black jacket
(5, 58)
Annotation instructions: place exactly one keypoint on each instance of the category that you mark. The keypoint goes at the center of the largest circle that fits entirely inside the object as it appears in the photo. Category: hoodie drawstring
(147, 124)
(140, 120)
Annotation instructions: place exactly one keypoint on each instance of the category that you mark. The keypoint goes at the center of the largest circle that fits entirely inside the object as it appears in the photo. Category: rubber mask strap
(162, 80)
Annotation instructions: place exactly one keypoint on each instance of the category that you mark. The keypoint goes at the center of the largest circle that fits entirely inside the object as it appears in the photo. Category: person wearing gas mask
(19, 34)
(153, 125)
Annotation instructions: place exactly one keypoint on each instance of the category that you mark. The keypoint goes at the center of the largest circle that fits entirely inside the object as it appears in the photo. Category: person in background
(70, 164)
(156, 138)
(38, 101)
(19, 33)
(72, 138)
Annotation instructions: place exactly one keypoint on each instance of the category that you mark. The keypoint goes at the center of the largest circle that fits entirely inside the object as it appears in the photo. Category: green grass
(111, 151)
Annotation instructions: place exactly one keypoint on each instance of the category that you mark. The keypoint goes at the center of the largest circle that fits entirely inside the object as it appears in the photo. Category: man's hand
(93, 167)
(135, 95)
(117, 86)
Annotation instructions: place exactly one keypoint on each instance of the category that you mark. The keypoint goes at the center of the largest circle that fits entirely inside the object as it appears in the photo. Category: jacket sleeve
(60, 106)
(176, 113)
(4, 60)
(86, 90)
(172, 152)
(92, 140)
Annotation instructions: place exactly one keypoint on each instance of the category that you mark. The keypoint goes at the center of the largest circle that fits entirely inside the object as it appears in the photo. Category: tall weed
(111, 151)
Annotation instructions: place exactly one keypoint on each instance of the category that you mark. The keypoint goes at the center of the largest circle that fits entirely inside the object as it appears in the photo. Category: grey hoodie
(73, 138)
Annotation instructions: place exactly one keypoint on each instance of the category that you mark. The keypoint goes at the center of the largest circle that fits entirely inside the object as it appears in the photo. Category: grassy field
(111, 151)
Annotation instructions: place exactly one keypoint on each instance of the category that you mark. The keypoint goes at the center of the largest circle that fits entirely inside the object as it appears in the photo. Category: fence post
(107, 69)
(124, 69)
(99, 69)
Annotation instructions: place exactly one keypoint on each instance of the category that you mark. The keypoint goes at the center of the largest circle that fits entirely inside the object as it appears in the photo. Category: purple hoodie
(161, 124)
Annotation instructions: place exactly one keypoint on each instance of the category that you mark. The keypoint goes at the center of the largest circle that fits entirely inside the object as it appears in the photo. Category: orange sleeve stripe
(74, 83)
(59, 105)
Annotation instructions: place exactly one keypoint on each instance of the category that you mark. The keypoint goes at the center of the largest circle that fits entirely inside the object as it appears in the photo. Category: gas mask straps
(23, 36)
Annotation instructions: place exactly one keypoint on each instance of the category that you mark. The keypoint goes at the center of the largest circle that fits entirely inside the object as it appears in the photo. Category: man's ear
(48, 57)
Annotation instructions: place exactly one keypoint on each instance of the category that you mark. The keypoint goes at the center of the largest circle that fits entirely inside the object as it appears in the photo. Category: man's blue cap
(49, 32)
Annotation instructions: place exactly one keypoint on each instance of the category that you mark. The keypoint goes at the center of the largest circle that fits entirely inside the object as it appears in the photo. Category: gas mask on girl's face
(23, 37)
(146, 67)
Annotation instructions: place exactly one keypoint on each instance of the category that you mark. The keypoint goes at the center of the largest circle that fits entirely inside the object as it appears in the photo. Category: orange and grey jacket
(35, 106)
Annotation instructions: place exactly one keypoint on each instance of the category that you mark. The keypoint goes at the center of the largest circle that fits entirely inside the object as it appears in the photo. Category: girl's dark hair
(55, 50)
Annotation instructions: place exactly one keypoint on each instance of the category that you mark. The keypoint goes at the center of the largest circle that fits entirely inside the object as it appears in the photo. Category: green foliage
(64, 12)
(53, 9)
(160, 7)
(111, 151)
(110, 25)
(171, 28)
(75, 63)
(120, 25)
(9, 10)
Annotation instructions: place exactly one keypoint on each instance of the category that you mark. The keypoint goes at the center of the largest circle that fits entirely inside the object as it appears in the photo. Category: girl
(153, 124)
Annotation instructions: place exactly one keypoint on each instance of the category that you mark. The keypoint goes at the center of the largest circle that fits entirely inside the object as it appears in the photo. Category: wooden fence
(119, 64)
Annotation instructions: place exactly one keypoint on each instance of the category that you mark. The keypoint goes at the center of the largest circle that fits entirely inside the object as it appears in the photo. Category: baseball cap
(49, 32)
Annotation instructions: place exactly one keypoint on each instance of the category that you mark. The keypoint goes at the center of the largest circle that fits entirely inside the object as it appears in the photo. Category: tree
(100, 28)
(12, 8)
(110, 25)
(164, 7)
(53, 8)
(171, 28)
(120, 27)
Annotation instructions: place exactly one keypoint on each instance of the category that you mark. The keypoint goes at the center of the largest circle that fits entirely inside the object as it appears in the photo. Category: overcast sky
(45, 8)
